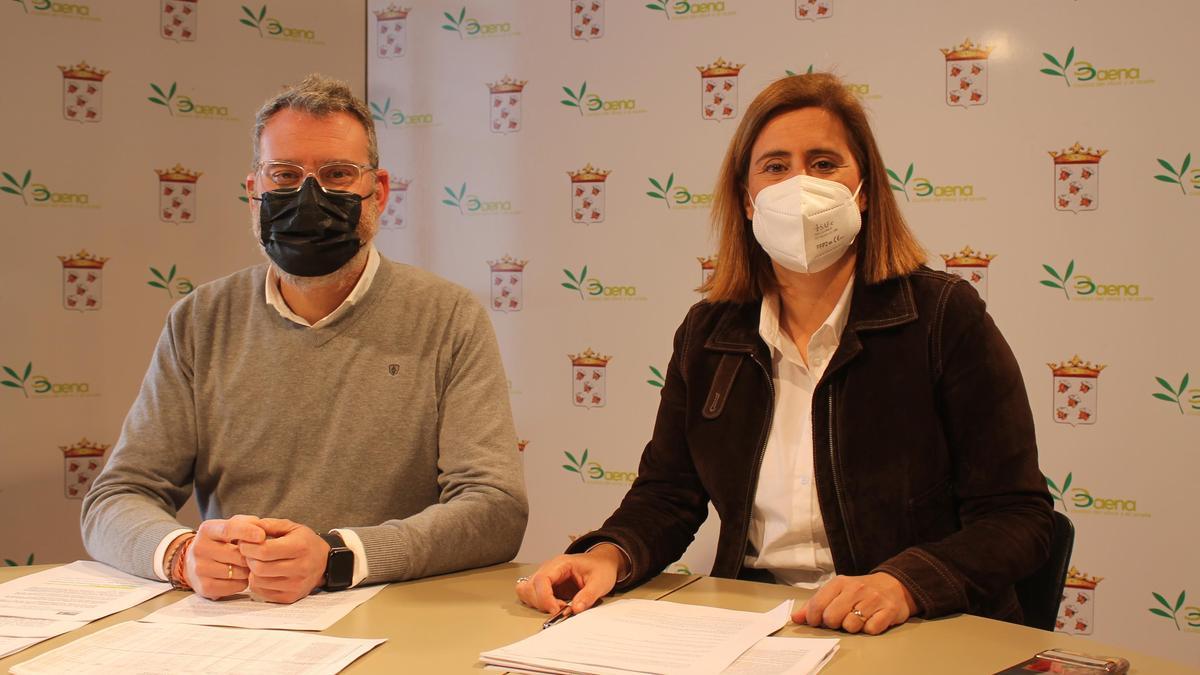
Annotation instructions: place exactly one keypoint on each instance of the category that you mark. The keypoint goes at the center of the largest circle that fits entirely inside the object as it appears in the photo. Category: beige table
(440, 625)
(950, 646)
(436, 625)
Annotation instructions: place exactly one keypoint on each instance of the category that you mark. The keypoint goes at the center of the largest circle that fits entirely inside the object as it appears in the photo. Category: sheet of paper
(784, 656)
(316, 612)
(12, 645)
(20, 626)
(643, 636)
(135, 647)
(81, 591)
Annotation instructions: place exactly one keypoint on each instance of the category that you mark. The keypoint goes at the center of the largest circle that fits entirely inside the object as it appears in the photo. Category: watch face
(339, 570)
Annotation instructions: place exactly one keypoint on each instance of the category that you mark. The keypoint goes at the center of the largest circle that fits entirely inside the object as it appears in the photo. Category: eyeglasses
(288, 177)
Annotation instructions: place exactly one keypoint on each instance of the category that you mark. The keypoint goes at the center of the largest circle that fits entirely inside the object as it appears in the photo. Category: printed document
(784, 656)
(315, 612)
(643, 636)
(12, 645)
(82, 591)
(135, 647)
(19, 626)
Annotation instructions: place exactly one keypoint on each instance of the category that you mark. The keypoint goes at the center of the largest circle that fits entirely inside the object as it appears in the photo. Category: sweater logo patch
(393, 369)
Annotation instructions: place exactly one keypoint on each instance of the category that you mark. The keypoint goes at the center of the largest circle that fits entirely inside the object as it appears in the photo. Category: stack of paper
(46, 604)
(315, 612)
(646, 636)
(166, 648)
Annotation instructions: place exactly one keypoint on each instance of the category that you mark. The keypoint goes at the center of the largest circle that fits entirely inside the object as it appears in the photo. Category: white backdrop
(504, 118)
(137, 165)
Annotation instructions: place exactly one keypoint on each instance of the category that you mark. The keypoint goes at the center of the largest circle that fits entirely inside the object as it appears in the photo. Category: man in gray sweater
(343, 419)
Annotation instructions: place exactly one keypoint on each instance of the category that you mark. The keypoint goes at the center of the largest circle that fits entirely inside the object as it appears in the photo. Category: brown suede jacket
(925, 458)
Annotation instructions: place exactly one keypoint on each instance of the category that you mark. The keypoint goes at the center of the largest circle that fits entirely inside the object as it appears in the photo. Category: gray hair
(318, 96)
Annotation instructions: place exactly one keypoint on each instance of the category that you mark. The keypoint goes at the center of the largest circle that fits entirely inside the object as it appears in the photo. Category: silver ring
(521, 580)
(859, 614)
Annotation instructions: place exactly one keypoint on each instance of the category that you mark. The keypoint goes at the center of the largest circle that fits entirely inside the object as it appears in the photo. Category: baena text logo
(33, 385)
(1085, 74)
(473, 205)
(678, 196)
(593, 473)
(684, 9)
(1187, 400)
(471, 28)
(1081, 287)
(591, 288)
(185, 107)
(592, 104)
(1189, 183)
(398, 118)
(40, 194)
(922, 190)
(270, 27)
(58, 10)
(1077, 500)
(1176, 611)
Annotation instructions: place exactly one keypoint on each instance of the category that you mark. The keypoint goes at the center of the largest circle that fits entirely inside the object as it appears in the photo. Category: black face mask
(310, 232)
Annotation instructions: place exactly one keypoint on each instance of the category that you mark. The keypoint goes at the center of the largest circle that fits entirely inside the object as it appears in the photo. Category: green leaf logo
(664, 189)
(1060, 69)
(1175, 395)
(455, 25)
(1175, 177)
(901, 185)
(1059, 495)
(18, 381)
(661, 6)
(1059, 281)
(456, 198)
(575, 100)
(381, 114)
(255, 20)
(576, 466)
(163, 282)
(658, 380)
(17, 187)
(1171, 611)
(163, 98)
(807, 72)
(242, 197)
(13, 563)
(576, 282)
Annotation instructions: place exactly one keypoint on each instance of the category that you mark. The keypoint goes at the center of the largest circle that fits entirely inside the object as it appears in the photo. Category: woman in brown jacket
(855, 418)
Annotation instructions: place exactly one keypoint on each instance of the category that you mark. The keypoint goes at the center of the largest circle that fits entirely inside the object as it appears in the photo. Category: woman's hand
(579, 579)
(880, 600)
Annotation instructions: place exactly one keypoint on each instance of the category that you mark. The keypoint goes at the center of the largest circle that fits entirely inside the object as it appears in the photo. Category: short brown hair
(318, 96)
(886, 247)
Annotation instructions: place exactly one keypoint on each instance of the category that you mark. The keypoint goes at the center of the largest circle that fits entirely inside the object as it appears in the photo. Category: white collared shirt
(786, 529)
(275, 297)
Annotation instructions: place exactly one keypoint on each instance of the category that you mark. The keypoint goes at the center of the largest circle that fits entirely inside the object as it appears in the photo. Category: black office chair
(1041, 593)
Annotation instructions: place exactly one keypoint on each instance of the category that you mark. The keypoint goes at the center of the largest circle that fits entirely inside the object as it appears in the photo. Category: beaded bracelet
(177, 574)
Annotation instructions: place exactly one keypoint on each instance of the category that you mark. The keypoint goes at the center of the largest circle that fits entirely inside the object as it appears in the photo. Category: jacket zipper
(762, 451)
(837, 486)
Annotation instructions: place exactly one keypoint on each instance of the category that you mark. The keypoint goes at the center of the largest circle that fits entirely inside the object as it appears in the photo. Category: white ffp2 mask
(806, 223)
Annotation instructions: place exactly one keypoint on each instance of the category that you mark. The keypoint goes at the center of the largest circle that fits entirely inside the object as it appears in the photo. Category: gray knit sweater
(393, 420)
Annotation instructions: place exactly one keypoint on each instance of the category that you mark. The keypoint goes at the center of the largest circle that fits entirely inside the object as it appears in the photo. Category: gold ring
(228, 571)
(858, 613)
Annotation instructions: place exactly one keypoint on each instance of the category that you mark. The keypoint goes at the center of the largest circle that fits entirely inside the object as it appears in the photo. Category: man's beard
(346, 275)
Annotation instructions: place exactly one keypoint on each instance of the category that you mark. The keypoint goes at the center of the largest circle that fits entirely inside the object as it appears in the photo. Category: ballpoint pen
(563, 614)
